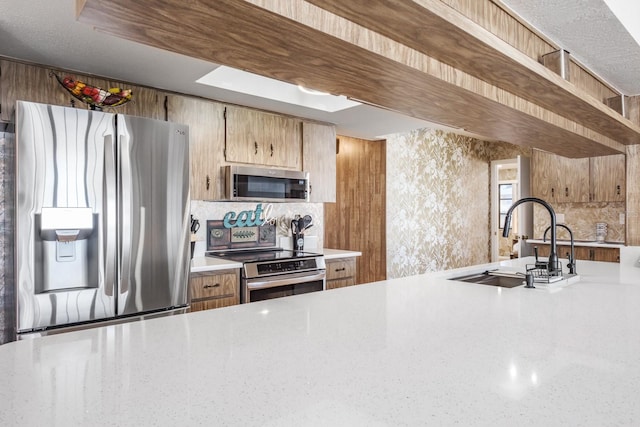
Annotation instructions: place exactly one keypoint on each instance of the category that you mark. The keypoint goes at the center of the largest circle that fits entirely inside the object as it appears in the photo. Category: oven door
(282, 285)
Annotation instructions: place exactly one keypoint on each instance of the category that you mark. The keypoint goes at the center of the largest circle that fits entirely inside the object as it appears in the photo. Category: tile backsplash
(581, 218)
(284, 212)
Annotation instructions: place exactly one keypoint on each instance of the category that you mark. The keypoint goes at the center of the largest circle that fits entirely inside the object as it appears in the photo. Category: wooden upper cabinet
(319, 159)
(544, 175)
(573, 180)
(260, 138)
(206, 143)
(22, 82)
(559, 179)
(608, 178)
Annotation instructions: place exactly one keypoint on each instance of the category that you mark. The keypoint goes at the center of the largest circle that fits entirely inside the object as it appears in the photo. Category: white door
(525, 211)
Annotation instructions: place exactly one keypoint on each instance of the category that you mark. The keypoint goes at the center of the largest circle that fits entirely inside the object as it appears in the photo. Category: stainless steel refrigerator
(102, 216)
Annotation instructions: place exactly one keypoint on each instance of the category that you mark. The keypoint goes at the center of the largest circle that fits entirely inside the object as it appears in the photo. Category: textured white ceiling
(591, 33)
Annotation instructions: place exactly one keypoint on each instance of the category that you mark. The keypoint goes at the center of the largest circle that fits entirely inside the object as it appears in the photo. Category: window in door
(505, 194)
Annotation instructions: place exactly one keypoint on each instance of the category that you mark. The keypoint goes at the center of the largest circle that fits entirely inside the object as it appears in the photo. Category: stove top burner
(272, 254)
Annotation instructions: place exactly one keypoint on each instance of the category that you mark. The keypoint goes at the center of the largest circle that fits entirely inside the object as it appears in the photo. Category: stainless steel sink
(493, 279)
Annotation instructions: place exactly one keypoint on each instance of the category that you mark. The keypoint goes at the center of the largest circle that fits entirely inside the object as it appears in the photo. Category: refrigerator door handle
(110, 222)
(126, 209)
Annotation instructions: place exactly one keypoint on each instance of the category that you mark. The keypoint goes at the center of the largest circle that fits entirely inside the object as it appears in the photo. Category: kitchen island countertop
(420, 350)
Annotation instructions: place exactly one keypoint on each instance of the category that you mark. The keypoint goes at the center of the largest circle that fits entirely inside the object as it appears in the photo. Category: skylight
(252, 84)
(627, 13)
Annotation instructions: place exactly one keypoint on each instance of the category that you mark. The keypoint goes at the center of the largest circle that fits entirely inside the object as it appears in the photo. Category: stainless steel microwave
(262, 184)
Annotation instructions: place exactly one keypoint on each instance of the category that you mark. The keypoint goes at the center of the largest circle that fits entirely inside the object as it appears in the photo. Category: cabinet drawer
(214, 286)
(214, 303)
(341, 283)
(340, 269)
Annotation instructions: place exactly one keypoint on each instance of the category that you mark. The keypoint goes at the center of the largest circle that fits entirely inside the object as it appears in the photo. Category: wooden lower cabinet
(598, 254)
(209, 290)
(341, 272)
(586, 253)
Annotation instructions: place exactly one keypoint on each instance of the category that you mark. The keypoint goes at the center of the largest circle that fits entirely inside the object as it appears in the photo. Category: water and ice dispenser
(67, 245)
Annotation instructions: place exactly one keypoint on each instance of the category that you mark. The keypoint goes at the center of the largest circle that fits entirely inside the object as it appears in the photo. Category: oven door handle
(253, 284)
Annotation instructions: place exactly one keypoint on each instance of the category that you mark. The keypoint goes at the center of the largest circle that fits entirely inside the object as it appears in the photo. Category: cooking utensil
(195, 225)
(307, 221)
(294, 226)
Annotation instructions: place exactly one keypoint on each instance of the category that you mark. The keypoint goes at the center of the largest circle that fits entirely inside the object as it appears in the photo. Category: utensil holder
(298, 242)
(601, 231)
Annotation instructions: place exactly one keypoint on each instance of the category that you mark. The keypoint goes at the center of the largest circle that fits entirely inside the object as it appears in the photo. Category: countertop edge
(203, 264)
(330, 254)
(584, 244)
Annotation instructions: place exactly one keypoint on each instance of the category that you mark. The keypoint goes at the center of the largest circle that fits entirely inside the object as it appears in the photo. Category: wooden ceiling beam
(247, 36)
(434, 28)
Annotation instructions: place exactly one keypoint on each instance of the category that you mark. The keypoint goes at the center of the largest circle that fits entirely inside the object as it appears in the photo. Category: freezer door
(154, 214)
(65, 216)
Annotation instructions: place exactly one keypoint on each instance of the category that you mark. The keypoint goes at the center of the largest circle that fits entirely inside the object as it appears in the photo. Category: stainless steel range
(274, 272)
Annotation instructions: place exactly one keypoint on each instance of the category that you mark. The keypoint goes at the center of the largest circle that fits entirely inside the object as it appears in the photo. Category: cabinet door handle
(217, 285)
(255, 146)
(553, 192)
(271, 150)
(618, 190)
(566, 191)
(208, 183)
(340, 269)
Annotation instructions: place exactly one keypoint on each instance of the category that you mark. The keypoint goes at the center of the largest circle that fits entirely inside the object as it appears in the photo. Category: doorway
(509, 183)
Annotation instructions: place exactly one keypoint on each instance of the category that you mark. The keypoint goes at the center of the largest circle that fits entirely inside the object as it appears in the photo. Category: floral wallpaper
(438, 195)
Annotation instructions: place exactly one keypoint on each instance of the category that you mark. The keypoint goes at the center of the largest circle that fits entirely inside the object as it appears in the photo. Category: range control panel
(286, 266)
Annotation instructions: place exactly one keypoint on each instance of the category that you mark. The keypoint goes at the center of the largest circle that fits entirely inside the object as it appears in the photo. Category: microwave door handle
(265, 284)
(109, 221)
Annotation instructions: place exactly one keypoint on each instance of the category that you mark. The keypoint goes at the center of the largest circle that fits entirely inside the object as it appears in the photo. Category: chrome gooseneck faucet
(553, 257)
(572, 257)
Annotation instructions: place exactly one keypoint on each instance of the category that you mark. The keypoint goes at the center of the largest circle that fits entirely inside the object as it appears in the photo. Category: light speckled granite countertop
(593, 244)
(420, 350)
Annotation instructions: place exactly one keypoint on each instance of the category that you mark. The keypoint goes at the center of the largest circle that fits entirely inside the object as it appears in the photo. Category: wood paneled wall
(633, 195)
(357, 221)
(633, 179)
